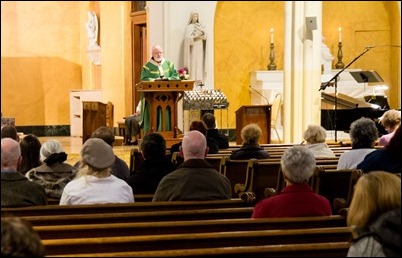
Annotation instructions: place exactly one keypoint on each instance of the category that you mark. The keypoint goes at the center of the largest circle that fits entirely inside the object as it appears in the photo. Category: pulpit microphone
(259, 93)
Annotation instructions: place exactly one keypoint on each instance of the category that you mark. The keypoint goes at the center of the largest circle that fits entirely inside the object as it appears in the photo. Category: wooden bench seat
(44, 210)
(336, 249)
(195, 240)
(180, 227)
(125, 217)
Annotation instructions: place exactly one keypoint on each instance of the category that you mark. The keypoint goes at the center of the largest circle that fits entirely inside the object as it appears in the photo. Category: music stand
(369, 77)
(366, 76)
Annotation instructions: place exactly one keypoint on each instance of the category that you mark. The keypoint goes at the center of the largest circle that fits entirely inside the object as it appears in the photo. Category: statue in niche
(92, 30)
(194, 49)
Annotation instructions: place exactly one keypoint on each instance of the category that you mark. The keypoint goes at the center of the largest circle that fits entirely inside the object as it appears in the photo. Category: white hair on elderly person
(298, 164)
(315, 134)
(194, 145)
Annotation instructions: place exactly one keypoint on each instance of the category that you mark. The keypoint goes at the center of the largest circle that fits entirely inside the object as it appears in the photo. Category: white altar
(268, 83)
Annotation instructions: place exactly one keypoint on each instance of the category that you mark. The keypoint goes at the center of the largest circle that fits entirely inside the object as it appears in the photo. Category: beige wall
(40, 60)
(43, 51)
(242, 40)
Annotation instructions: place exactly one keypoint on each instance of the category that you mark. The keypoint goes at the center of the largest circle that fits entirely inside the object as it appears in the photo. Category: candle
(340, 34)
(272, 35)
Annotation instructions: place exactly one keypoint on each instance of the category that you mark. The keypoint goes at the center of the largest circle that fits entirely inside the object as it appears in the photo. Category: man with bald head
(16, 190)
(195, 178)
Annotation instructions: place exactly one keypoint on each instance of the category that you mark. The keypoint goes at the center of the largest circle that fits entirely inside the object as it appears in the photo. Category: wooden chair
(276, 107)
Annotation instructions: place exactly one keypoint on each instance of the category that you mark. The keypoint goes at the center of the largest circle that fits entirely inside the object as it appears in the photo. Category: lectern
(259, 114)
(162, 98)
(94, 116)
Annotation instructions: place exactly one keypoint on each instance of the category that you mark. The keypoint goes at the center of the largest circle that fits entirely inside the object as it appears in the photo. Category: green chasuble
(150, 71)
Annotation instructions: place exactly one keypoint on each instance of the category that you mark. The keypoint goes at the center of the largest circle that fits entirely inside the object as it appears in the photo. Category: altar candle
(272, 35)
(340, 34)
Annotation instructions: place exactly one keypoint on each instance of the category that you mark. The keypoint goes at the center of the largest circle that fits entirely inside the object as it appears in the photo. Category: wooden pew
(44, 210)
(180, 227)
(195, 240)
(336, 249)
(214, 159)
(144, 216)
(235, 171)
(261, 174)
(335, 184)
(137, 198)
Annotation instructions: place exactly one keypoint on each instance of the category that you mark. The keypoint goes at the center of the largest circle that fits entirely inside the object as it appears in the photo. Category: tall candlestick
(340, 34)
(272, 35)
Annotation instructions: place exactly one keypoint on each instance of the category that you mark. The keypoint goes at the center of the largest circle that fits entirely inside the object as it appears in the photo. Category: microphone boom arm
(324, 86)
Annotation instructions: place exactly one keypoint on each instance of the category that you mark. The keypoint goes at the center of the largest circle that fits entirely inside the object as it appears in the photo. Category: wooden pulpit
(162, 97)
(259, 114)
(93, 116)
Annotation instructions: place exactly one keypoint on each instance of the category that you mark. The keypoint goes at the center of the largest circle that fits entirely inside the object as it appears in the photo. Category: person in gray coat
(16, 189)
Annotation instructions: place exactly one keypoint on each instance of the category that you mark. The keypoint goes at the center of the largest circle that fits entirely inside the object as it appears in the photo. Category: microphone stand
(335, 78)
(259, 93)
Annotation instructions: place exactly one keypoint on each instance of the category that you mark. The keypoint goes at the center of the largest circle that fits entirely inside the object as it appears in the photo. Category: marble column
(302, 69)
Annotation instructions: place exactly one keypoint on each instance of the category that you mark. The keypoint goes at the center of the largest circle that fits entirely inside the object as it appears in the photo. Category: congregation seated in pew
(315, 136)
(94, 182)
(195, 179)
(250, 135)
(297, 199)
(375, 216)
(153, 168)
(55, 173)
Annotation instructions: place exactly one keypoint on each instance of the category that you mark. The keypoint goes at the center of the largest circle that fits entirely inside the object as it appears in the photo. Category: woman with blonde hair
(375, 215)
(95, 182)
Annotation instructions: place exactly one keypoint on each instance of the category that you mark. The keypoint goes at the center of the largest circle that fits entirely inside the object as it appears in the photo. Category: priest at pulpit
(157, 68)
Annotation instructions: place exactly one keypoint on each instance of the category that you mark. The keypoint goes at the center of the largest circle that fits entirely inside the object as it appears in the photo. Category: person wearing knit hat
(119, 168)
(54, 173)
(94, 182)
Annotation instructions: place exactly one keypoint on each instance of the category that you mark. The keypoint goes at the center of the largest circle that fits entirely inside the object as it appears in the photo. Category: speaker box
(311, 23)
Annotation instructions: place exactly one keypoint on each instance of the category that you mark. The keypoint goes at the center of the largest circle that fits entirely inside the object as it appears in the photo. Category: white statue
(92, 28)
(93, 48)
(194, 48)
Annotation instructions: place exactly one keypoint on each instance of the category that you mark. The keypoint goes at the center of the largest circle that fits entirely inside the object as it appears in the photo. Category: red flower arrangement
(183, 73)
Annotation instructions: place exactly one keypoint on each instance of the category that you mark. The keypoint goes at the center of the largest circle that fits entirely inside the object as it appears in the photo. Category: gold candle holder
(272, 65)
(340, 64)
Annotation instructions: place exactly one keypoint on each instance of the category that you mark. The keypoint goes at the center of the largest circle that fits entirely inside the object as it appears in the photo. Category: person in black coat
(212, 131)
(250, 149)
(155, 166)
